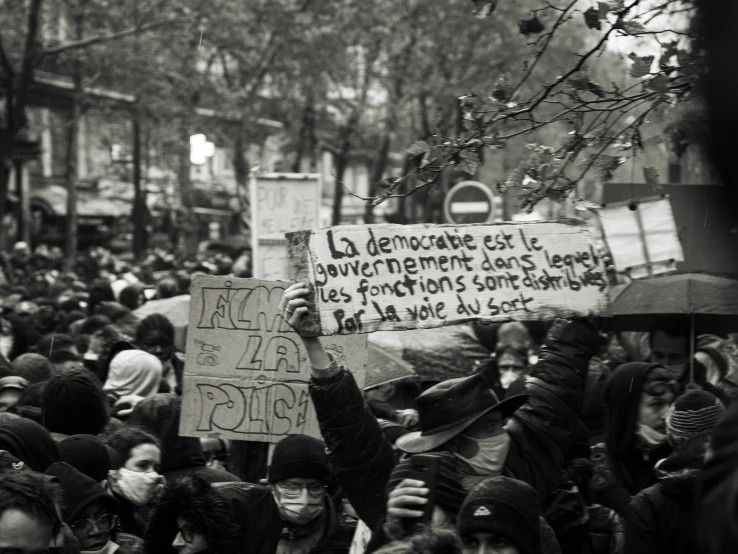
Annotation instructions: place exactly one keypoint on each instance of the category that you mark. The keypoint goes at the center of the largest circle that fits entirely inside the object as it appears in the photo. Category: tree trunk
(307, 133)
(380, 164)
(339, 165)
(139, 195)
(70, 238)
(241, 170)
(187, 223)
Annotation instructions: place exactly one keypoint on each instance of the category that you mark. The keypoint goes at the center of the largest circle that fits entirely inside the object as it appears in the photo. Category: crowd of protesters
(582, 442)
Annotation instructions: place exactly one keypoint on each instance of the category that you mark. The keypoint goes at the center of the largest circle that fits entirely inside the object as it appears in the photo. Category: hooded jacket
(541, 432)
(29, 442)
(160, 415)
(621, 468)
(664, 515)
(78, 492)
(236, 519)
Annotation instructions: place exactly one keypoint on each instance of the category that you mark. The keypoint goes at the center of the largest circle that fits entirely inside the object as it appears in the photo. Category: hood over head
(79, 491)
(29, 442)
(159, 414)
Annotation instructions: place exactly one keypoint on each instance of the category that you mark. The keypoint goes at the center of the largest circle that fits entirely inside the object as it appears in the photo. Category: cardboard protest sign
(369, 278)
(246, 370)
(280, 202)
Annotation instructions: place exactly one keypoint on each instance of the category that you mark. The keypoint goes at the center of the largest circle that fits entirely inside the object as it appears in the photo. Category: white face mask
(508, 378)
(298, 512)
(109, 548)
(488, 462)
(135, 486)
(650, 437)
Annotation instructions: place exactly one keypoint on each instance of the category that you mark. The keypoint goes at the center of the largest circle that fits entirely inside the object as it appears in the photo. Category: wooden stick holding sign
(247, 371)
(368, 278)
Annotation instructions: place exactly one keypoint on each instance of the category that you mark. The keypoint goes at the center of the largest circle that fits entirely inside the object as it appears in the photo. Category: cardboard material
(280, 203)
(246, 370)
(367, 278)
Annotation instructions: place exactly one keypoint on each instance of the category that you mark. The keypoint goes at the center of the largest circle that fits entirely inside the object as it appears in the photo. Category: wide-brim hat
(448, 408)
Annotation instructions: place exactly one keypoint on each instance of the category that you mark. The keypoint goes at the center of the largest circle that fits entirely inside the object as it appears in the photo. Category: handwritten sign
(281, 202)
(246, 373)
(369, 278)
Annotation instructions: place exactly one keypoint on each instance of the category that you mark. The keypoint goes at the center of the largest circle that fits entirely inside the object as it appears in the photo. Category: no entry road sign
(469, 202)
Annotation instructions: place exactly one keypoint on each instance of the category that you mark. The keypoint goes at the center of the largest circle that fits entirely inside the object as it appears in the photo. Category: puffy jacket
(664, 515)
(541, 432)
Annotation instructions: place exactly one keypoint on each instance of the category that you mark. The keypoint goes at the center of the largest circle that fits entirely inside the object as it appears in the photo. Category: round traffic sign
(469, 202)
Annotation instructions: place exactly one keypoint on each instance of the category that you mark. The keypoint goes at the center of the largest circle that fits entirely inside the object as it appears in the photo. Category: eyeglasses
(105, 523)
(188, 532)
(511, 367)
(295, 489)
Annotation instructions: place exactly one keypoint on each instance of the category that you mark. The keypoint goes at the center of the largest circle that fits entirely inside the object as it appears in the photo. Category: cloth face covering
(135, 486)
(298, 511)
(487, 462)
(650, 437)
(109, 548)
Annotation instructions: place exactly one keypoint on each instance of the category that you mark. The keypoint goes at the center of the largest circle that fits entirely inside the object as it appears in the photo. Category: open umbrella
(384, 367)
(709, 301)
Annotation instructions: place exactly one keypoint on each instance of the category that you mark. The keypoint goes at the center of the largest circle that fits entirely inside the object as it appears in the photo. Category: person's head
(192, 517)
(100, 291)
(87, 508)
(34, 368)
(300, 474)
(669, 342)
(92, 324)
(11, 389)
(90, 455)
(693, 415)
(465, 417)
(155, 335)
(514, 332)
(134, 372)
(167, 287)
(28, 515)
(500, 515)
(57, 348)
(66, 320)
(425, 541)
(74, 403)
(29, 442)
(512, 363)
(138, 450)
(132, 296)
(638, 396)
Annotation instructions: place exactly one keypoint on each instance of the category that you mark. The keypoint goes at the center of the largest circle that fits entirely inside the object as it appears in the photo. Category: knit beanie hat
(693, 414)
(32, 367)
(301, 457)
(505, 507)
(90, 455)
(73, 403)
(450, 492)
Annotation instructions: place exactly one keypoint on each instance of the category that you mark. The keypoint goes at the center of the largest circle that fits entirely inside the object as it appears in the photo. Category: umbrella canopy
(176, 309)
(384, 367)
(435, 354)
(711, 300)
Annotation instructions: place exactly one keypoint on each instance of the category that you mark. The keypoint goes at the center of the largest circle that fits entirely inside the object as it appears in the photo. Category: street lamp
(200, 149)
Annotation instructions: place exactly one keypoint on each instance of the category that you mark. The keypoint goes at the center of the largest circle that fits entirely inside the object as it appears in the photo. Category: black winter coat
(664, 515)
(541, 432)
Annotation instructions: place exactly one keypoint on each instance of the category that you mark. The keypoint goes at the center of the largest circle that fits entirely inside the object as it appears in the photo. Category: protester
(91, 513)
(74, 403)
(663, 519)
(90, 455)
(426, 541)
(137, 480)
(29, 442)
(461, 416)
(29, 522)
(180, 456)
(196, 516)
(639, 396)
(155, 335)
(133, 372)
(301, 479)
(11, 389)
(510, 363)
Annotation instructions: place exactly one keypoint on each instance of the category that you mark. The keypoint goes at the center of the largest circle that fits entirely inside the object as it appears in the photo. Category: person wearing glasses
(301, 478)
(638, 397)
(91, 513)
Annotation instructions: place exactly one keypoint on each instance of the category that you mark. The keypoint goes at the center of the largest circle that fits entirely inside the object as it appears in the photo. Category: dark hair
(34, 368)
(516, 350)
(74, 403)
(126, 438)
(93, 323)
(673, 327)
(426, 541)
(154, 322)
(67, 319)
(56, 345)
(194, 499)
(167, 287)
(130, 297)
(100, 291)
(29, 493)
